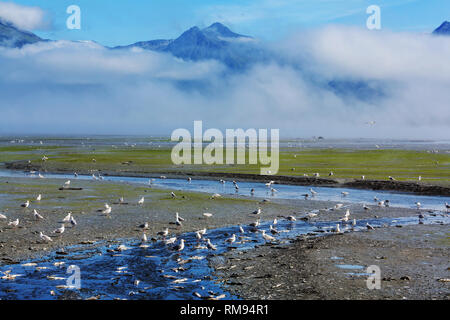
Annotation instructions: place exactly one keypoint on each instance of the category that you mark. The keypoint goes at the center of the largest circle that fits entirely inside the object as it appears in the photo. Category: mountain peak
(443, 29)
(219, 30)
(12, 37)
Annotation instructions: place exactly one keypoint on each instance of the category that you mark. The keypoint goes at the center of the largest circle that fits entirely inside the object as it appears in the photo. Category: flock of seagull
(201, 234)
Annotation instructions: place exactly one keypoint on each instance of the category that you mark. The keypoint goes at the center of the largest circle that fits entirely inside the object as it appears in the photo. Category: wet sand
(413, 260)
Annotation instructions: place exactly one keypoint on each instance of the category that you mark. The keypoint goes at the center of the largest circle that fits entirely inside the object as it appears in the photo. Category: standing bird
(67, 184)
(144, 238)
(36, 215)
(141, 201)
(337, 230)
(273, 230)
(60, 230)
(254, 224)
(67, 218)
(344, 193)
(418, 205)
(177, 216)
(180, 246)
(173, 195)
(26, 204)
(257, 211)
(241, 230)
(252, 192)
(369, 227)
(313, 192)
(164, 233)
(447, 206)
(291, 218)
(3, 217)
(266, 236)
(231, 239)
(338, 206)
(73, 222)
(106, 211)
(210, 245)
(14, 223)
(45, 237)
(207, 215)
(38, 198)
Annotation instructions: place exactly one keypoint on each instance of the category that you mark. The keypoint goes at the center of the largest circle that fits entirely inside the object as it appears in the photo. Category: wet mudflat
(413, 261)
(115, 265)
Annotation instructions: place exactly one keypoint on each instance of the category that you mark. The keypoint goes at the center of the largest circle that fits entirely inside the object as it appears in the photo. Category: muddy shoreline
(396, 186)
(413, 263)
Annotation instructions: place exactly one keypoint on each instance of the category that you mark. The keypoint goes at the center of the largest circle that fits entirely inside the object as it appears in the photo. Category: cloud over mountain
(328, 82)
(23, 17)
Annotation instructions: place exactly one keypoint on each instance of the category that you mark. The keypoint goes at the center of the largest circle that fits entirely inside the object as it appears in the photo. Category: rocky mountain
(214, 42)
(443, 29)
(12, 37)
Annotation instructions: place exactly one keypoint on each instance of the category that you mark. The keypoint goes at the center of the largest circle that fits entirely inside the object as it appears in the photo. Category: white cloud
(65, 87)
(23, 17)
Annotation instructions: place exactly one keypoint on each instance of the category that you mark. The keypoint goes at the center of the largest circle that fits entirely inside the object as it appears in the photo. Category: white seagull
(257, 211)
(44, 237)
(60, 230)
(36, 215)
(141, 201)
(231, 239)
(26, 204)
(179, 246)
(67, 218)
(14, 223)
(266, 236)
(38, 198)
(210, 245)
(178, 217)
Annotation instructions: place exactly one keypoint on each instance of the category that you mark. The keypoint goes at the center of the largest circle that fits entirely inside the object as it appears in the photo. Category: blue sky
(126, 21)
